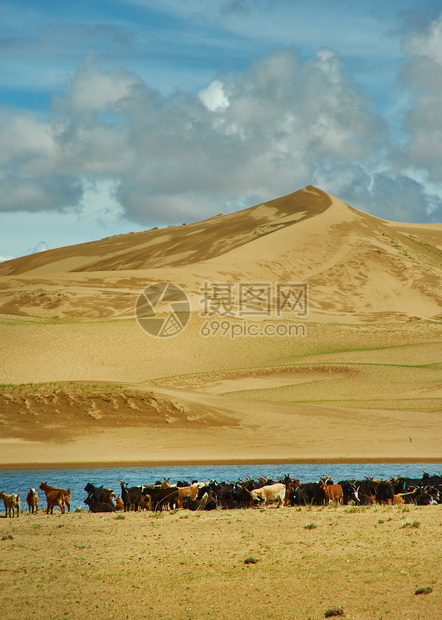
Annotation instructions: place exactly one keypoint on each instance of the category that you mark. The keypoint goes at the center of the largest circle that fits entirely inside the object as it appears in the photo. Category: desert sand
(352, 372)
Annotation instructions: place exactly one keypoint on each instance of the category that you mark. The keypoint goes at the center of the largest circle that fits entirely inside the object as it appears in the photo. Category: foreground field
(183, 565)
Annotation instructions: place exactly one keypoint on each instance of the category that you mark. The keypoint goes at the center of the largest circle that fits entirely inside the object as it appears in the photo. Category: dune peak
(354, 263)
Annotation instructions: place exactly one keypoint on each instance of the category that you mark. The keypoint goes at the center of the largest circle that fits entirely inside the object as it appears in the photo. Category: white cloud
(93, 90)
(213, 96)
(396, 197)
(258, 134)
(427, 43)
(422, 77)
(25, 138)
(280, 124)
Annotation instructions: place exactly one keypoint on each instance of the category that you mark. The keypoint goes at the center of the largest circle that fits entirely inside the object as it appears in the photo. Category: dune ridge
(352, 262)
(359, 379)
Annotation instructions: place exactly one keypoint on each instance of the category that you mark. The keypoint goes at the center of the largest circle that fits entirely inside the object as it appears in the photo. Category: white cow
(270, 493)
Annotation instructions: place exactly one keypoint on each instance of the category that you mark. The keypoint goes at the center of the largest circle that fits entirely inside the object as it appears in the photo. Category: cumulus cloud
(95, 91)
(258, 134)
(281, 124)
(422, 77)
(392, 197)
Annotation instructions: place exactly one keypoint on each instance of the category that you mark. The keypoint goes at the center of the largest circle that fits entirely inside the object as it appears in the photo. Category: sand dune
(359, 378)
(352, 262)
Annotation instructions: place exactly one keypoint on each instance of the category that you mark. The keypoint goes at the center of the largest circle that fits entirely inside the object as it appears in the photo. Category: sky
(123, 115)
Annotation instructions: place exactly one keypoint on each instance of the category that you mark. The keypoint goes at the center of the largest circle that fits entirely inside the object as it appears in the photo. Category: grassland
(184, 565)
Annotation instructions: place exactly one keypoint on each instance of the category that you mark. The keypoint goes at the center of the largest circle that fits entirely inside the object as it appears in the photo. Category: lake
(19, 481)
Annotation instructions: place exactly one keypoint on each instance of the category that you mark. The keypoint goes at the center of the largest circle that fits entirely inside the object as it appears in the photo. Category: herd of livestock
(194, 495)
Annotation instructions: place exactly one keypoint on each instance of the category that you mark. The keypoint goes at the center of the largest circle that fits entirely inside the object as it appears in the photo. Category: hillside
(352, 262)
(358, 379)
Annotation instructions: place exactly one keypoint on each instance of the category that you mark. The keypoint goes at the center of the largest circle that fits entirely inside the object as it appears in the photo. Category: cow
(12, 504)
(32, 500)
(44, 486)
(270, 493)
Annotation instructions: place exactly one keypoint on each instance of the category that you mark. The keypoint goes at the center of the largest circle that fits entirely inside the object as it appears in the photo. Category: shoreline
(208, 462)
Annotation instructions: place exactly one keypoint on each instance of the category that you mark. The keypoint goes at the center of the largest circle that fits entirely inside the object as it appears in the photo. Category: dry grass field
(191, 565)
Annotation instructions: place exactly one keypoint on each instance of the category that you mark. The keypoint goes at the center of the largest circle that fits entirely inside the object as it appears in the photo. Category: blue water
(19, 481)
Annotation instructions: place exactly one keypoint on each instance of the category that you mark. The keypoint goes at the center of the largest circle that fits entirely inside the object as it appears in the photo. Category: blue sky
(117, 116)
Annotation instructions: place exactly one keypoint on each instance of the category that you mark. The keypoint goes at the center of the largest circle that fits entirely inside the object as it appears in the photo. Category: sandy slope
(352, 262)
(360, 379)
(344, 392)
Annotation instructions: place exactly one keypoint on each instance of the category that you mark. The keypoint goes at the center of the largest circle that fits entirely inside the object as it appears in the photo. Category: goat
(333, 493)
(32, 500)
(44, 486)
(131, 496)
(190, 491)
(55, 499)
(95, 506)
(12, 503)
(119, 504)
